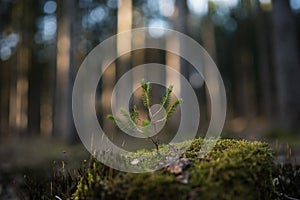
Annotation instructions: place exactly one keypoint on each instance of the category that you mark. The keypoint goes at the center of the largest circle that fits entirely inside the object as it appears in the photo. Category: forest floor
(36, 157)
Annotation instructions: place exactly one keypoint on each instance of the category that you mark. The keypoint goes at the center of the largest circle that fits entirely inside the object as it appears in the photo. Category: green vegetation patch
(234, 169)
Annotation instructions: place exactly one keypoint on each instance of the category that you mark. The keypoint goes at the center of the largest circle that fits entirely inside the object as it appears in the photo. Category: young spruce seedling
(147, 127)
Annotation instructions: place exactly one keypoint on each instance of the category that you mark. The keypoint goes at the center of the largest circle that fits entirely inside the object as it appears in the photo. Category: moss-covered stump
(232, 170)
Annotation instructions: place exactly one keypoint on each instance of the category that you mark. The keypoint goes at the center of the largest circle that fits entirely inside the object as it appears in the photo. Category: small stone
(135, 161)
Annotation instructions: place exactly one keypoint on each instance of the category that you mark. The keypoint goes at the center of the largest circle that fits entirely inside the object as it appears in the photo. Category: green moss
(237, 169)
(232, 170)
(152, 186)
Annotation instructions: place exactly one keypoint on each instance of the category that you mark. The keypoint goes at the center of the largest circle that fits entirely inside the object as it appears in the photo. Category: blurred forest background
(255, 44)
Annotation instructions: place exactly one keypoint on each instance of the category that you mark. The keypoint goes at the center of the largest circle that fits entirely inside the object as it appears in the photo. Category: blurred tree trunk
(23, 21)
(123, 63)
(124, 24)
(5, 67)
(34, 77)
(34, 95)
(244, 72)
(286, 63)
(264, 61)
(181, 26)
(63, 121)
(4, 100)
(209, 43)
(186, 69)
